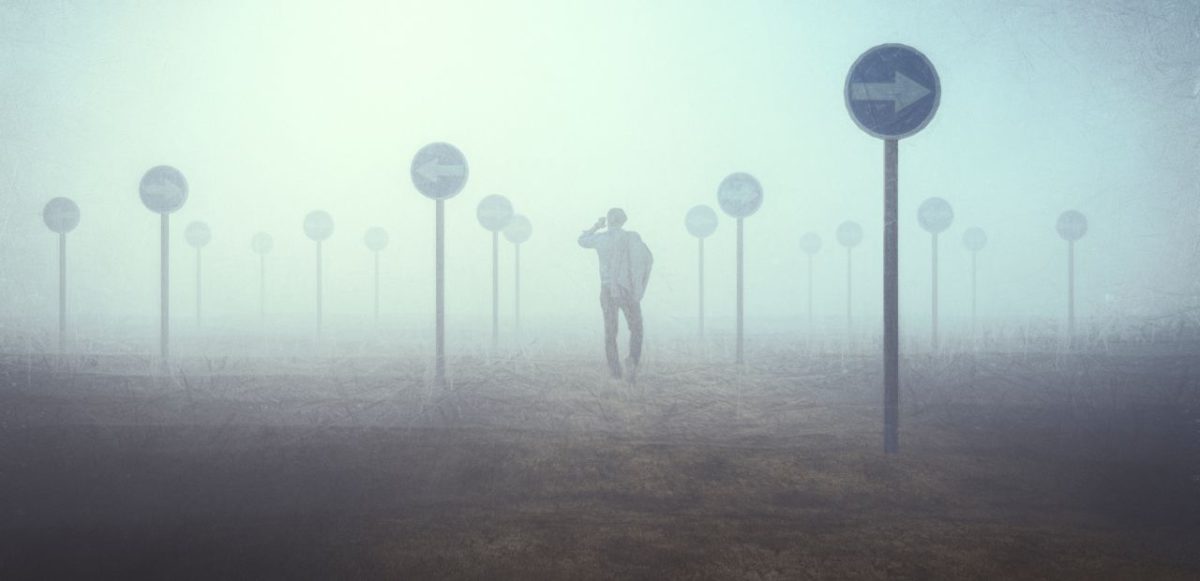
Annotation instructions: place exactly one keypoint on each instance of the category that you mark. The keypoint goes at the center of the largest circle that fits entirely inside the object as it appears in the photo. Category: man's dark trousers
(610, 304)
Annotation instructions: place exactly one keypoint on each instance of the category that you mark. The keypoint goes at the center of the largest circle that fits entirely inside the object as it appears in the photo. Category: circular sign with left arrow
(892, 91)
(439, 171)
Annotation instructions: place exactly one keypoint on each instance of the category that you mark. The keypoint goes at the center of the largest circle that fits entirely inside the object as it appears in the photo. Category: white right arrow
(432, 170)
(902, 92)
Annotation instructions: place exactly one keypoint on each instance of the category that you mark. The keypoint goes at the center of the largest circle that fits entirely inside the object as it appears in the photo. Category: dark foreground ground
(1020, 466)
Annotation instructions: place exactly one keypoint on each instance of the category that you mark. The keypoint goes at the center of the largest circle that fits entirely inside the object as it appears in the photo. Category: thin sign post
(61, 216)
(163, 190)
(740, 195)
(439, 171)
(261, 244)
(892, 91)
(494, 214)
(849, 234)
(376, 240)
(701, 222)
(810, 244)
(198, 235)
(318, 226)
(517, 232)
(935, 215)
(974, 239)
(1071, 226)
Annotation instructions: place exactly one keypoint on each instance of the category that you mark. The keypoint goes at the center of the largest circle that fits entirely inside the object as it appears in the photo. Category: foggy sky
(274, 109)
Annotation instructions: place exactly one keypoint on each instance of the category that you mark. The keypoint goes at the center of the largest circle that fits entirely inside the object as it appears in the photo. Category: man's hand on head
(599, 224)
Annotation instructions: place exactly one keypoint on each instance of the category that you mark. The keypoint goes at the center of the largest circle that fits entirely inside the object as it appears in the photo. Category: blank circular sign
(494, 212)
(318, 225)
(376, 239)
(518, 230)
(61, 215)
(740, 195)
(935, 215)
(849, 234)
(974, 239)
(197, 234)
(262, 243)
(439, 171)
(701, 221)
(810, 243)
(1072, 225)
(163, 189)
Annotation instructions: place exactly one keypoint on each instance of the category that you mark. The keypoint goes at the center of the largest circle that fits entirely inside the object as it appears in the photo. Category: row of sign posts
(891, 92)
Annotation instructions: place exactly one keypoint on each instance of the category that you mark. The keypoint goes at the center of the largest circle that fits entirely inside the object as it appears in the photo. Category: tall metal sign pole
(974, 239)
(935, 215)
(61, 216)
(891, 92)
(701, 222)
(198, 235)
(740, 195)
(163, 190)
(518, 232)
(439, 172)
(1071, 227)
(810, 244)
(261, 244)
(494, 214)
(849, 234)
(376, 240)
(318, 226)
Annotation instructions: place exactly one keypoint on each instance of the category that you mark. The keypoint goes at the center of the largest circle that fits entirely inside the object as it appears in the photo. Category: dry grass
(1029, 466)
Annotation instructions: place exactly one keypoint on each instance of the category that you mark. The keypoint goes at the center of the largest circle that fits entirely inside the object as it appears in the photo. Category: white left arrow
(164, 189)
(902, 92)
(432, 170)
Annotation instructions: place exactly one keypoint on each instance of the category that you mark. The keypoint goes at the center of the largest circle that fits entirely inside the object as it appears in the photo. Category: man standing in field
(625, 263)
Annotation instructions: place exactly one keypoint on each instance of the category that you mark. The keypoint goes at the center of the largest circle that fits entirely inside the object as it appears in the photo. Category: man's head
(616, 218)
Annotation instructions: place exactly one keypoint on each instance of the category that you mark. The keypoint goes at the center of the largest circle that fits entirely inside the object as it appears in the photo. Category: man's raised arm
(589, 238)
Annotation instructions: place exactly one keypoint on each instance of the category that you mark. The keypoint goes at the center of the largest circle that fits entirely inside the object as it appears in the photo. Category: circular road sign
(701, 221)
(892, 91)
(61, 215)
(262, 243)
(518, 230)
(376, 239)
(935, 215)
(810, 243)
(849, 234)
(1072, 225)
(974, 239)
(318, 225)
(439, 171)
(494, 212)
(197, 235)
(740, 195)
(163, 189)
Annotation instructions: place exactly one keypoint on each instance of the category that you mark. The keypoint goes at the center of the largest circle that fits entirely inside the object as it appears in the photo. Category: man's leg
(633, 318)
(610, 333)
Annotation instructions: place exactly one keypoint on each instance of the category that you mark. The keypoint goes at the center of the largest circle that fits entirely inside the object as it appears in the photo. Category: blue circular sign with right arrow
(892, 91)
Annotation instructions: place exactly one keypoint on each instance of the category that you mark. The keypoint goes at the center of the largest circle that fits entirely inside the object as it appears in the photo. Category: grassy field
(1014, 466)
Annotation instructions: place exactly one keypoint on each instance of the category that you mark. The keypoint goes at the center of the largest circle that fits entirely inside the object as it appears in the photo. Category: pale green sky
(273, 109)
